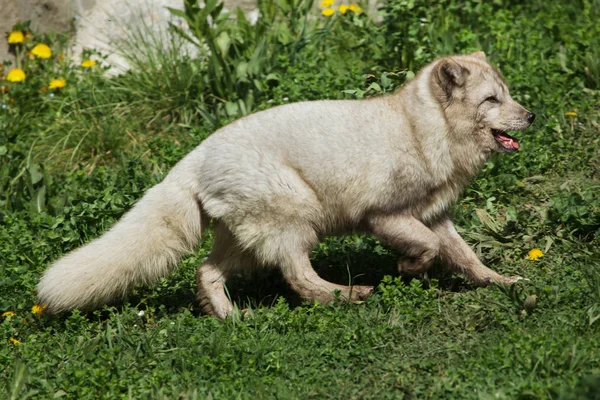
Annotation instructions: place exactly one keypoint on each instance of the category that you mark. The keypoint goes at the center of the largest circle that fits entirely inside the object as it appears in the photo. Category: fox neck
(445, 144)
(466, 152)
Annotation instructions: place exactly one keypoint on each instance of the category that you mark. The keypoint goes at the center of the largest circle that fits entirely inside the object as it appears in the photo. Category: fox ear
(480, 55)
(451, 75)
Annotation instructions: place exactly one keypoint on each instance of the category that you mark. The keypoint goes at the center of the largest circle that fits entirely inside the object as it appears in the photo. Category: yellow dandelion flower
(14, 341)
(57, 83)
(16, 37)
(88, 63)
(9, 314)
(534, 254)
(327, 3)
(571, 114)
(343, 8)
(42, 51)
(38, 309)
(328, 12)
(355, 8)
(16, 75)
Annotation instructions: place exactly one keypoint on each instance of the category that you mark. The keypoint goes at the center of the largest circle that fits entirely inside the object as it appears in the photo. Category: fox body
(275, 181)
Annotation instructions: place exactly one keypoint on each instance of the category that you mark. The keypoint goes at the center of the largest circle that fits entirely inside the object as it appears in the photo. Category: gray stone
(104, 25)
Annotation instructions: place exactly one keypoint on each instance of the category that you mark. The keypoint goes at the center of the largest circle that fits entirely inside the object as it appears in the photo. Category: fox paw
(509, 280)
(359, 293)
(409, 266)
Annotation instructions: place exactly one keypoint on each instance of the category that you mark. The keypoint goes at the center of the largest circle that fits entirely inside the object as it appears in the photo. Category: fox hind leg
(289, 248)
(303, 279)
(225, 257)
(210, 292)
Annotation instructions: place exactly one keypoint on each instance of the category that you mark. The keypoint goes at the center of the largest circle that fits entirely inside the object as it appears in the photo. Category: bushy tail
(140, 248)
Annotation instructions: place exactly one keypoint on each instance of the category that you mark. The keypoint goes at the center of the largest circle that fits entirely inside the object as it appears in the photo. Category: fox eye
(492, 99)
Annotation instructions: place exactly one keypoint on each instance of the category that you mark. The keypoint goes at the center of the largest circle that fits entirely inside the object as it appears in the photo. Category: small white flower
(286, 99)
(51, 94)
(3, 106)
(141, 313)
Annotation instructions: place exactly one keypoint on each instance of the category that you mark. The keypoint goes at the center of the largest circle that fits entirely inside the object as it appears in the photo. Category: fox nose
(530, 117)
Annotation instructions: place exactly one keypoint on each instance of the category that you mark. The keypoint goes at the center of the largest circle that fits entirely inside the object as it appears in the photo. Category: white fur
(140, 248)
(276, 181)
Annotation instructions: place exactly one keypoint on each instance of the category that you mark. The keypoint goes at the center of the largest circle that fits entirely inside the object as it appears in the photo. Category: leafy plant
(84, 156)
(242, 57)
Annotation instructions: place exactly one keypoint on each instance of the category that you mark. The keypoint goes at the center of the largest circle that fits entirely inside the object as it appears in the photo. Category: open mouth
(507, 142)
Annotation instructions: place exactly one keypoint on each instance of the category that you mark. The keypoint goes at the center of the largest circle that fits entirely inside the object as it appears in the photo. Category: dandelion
(534, 254)
(328, 12)
(14, 341)
(9, 314)
(355, 8)
(343, 8)
(571, 114)
(16, 75)
(327, 3)
(57, 83)
(88, 63)
(42, 51)
(38, 309)
(16, 37)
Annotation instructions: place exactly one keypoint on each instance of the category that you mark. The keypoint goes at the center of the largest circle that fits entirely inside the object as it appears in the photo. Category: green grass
(72, 164)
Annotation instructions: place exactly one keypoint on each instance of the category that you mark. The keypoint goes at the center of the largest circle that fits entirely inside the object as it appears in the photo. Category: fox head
(477, 103)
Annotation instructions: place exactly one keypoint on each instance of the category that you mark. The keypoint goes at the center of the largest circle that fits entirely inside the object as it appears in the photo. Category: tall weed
(241, 57)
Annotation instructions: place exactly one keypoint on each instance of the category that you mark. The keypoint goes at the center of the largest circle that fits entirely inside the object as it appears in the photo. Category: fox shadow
(262, 287)
(338, 263)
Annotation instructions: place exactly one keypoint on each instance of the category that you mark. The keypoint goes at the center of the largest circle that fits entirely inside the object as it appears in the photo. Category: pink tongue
(508, 142)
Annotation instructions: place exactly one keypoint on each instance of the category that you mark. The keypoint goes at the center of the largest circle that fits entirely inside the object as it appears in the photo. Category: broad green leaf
(487, 220)
(35, 173)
